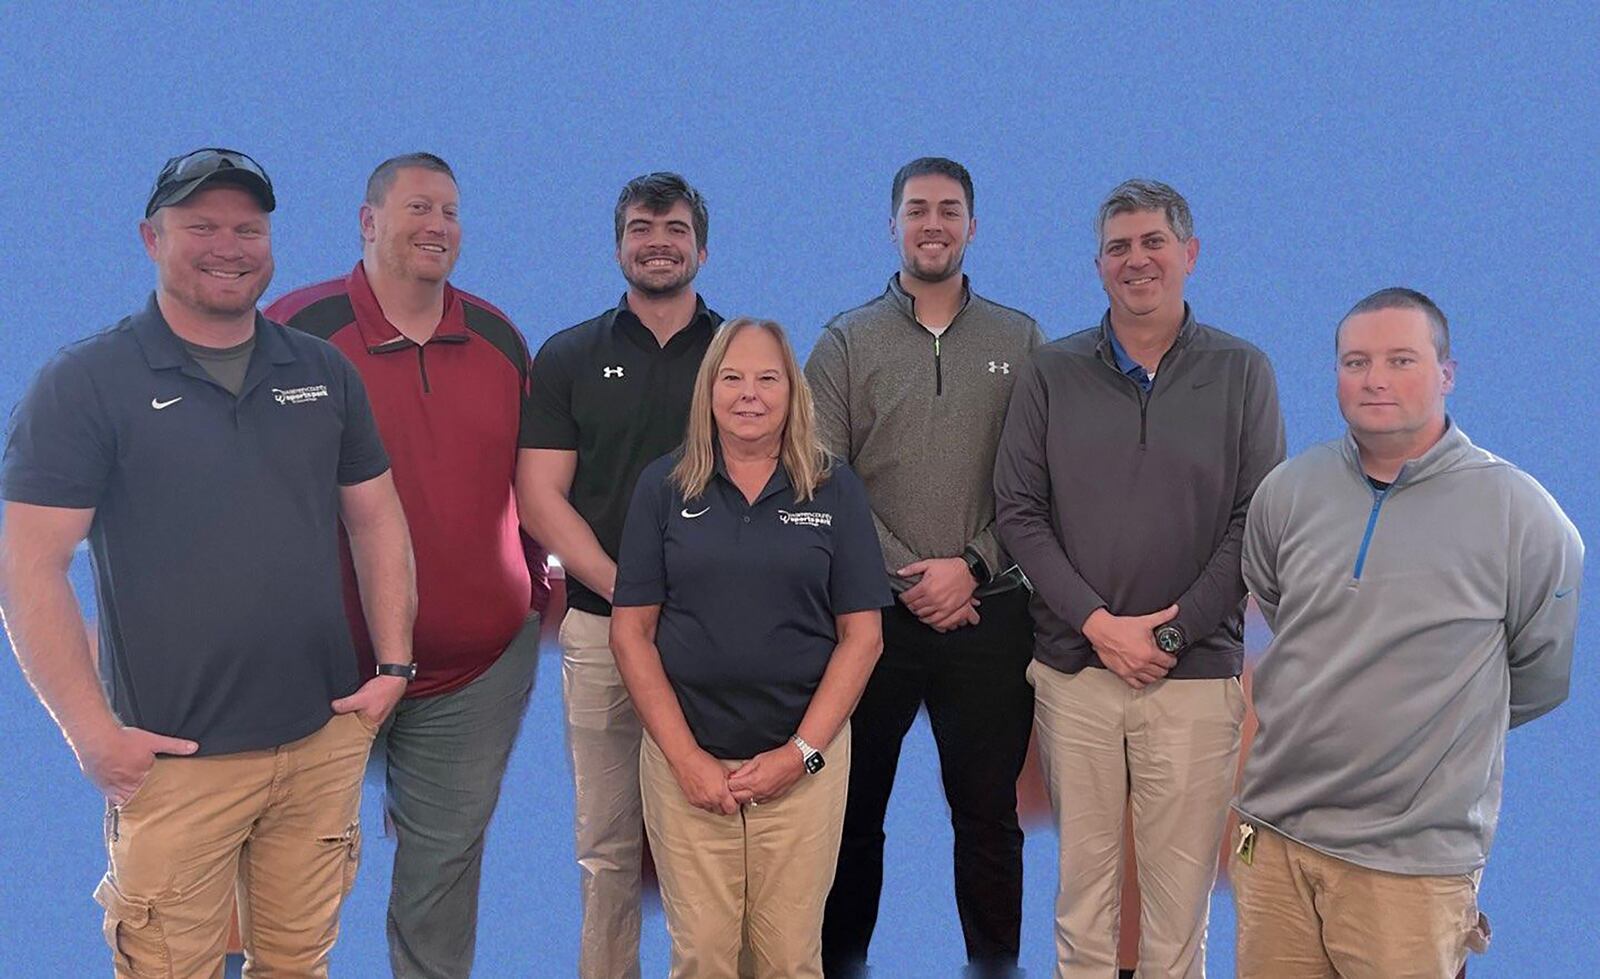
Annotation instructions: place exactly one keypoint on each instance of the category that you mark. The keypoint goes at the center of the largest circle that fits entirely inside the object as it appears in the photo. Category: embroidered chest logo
(1003, 367)
(158, 404)
(611, 371)
(300, 396)
(805, 518)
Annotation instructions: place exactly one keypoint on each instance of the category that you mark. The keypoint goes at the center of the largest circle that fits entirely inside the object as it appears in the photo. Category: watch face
(1169, 639)
(814, 762)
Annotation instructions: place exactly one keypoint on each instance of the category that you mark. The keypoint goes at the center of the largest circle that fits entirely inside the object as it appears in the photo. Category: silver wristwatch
(812, 757)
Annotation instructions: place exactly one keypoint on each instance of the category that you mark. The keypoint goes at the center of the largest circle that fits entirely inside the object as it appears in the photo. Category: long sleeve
(1260, 558)
(1022, 503)
(1546, 565)
(1220, 587)
(828, 374)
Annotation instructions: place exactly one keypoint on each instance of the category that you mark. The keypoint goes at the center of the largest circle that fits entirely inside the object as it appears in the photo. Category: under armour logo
(611, 371)
(1004, 367)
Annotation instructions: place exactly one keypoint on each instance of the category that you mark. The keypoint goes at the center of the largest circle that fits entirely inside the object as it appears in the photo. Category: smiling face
(213, 251)
(932, 226)
(1391, 381)
(415, 233)
(750, 393)
(1143, 265)
(657, 252)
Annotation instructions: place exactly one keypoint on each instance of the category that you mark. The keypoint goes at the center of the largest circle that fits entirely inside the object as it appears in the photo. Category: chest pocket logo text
(299, 396)
(805, 518)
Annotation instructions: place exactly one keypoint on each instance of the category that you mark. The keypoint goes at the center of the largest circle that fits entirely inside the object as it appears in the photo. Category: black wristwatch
(406, 671)
(812, 757)
(1170, 639)
(977, 566)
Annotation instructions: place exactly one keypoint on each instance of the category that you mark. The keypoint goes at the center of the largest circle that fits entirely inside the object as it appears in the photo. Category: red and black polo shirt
(453, 413)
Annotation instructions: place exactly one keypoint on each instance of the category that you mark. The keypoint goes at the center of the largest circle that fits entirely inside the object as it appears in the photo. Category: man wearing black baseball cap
(208, 455)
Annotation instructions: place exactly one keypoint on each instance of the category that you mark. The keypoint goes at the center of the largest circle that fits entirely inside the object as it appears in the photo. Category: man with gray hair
(1124, 474)
(1423, 598)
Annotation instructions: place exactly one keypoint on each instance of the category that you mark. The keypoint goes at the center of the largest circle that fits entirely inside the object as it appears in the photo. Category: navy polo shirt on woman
(216, 526)
(607, 390)
(748, 595)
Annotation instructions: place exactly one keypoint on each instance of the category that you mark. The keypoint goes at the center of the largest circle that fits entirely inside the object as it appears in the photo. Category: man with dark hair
(609, 396)
(1401, 655)
(1130, 454)
(208, 455)
(448, 375)
(911, 390)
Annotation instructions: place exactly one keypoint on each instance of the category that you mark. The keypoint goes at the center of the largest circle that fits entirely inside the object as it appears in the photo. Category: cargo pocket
(351, 841)
(133, 930)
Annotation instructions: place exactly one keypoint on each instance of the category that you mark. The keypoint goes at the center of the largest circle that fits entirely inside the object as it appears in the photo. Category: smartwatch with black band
(406, 671)
(977, 566)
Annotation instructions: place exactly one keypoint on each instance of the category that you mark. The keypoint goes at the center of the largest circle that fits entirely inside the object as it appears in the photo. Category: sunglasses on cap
(183, 175)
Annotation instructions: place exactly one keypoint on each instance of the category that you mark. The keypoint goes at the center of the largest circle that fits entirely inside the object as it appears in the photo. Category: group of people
(319, 532)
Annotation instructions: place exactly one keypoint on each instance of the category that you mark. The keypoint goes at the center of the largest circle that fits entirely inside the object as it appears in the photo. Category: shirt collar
(908, 303)
(628, 322)
(1125, 363)
(163, 350)
(777, 482)
(1111, 350)
(379, 335)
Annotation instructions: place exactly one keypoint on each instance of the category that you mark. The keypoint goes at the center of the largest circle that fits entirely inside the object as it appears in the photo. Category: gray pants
(444, 757)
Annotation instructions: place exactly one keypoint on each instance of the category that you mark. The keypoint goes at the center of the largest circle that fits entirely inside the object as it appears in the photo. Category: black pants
(980, 707)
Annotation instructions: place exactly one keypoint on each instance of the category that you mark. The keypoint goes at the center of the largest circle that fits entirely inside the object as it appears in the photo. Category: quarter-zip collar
(380, 336)
(1106, 346)
(907, 303)
(1453, 451)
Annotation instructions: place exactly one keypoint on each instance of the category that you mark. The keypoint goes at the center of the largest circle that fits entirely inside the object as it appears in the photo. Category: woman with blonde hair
(745, 624)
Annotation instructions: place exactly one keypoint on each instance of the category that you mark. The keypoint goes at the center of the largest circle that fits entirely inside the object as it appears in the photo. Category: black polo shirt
(748, 595)
(608, 391)
(215, 539)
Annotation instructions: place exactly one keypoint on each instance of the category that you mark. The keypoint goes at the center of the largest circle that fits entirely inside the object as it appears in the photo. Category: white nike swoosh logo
(691, 516)
(158, 404)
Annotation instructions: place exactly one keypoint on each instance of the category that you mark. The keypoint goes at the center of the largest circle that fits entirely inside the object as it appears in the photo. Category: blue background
(1326, 152)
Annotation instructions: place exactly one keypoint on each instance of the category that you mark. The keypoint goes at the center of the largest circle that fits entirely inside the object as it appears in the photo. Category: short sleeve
(641, 560)
(61, 447)
(361, 454)
(547, 421)
(526, 406)
(856, 579)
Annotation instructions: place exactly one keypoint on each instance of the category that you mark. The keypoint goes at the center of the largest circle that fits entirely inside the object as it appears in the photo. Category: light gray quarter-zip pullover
(1412, 627)
(918, 417)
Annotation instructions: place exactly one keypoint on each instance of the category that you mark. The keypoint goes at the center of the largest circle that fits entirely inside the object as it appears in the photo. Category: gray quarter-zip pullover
(1412, 626)
(1110, 496)
(918, 416)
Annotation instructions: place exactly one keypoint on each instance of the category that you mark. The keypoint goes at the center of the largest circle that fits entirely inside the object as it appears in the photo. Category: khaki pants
(279, 828)
(1170, 750)
(760, 876)
(603, 733)
(1306, 915)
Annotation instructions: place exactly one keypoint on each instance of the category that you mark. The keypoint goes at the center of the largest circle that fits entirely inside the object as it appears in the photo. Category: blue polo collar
(778, 481)
(164, 351)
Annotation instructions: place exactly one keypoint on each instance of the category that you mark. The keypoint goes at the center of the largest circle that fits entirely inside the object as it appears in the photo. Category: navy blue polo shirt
(748, 595)
(215, 538)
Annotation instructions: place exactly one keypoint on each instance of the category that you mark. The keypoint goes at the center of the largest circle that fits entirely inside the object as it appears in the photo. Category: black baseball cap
(183, 175)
